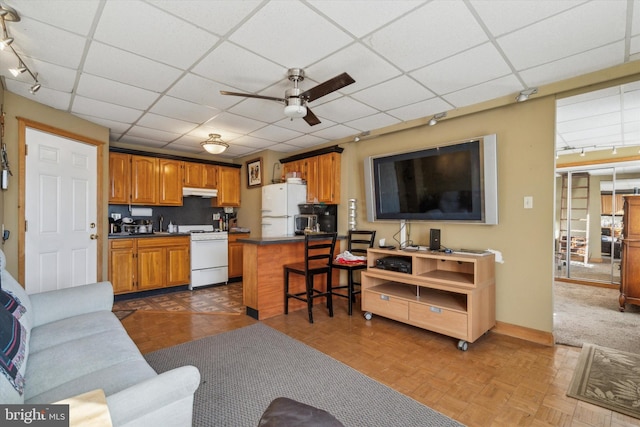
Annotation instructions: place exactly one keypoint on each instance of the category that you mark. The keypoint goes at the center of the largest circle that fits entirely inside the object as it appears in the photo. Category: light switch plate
(528, 202)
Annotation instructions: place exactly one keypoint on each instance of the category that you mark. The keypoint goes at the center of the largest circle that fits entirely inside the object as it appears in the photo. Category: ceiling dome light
(214, 145)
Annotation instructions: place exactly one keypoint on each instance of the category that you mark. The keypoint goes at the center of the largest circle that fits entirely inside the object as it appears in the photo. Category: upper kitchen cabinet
(119, 178)
(200, 175)
(228, 187)
(170, 182)
(144, 180)
(329, 178)
(321, 171)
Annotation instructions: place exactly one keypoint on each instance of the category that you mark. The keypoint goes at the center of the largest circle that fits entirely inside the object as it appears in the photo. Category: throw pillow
(13, 340)
(12, 303)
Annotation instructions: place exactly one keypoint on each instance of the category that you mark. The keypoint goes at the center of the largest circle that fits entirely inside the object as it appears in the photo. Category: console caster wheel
(368, 315)
(463, 345)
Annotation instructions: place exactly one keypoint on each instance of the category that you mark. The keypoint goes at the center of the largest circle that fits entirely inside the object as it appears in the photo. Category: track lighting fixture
(582, 153)
(8, 14)
(614, 150)
(18, 70)
(434, 120)
(214, 145)
(525, 94)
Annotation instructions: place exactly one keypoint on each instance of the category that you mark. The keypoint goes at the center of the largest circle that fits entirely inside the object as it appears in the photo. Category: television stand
(451, 294)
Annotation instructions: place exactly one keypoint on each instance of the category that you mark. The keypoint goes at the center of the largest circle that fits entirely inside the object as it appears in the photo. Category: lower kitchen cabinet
(235, 254)
(140, 264)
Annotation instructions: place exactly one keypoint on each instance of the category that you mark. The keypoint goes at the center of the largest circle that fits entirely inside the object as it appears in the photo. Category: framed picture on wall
(254, 173)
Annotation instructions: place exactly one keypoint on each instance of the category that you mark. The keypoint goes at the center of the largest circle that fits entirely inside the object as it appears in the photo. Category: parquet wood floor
(499, 381)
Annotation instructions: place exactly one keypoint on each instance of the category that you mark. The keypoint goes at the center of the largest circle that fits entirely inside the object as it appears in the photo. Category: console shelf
(452, 294)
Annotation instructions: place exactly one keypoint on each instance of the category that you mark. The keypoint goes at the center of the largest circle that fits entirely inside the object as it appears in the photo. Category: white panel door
(61, 212)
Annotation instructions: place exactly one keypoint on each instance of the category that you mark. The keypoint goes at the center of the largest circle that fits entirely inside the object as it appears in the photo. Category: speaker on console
(434, 239)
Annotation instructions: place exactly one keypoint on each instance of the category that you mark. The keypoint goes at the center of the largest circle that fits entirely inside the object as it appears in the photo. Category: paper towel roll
(141, 212)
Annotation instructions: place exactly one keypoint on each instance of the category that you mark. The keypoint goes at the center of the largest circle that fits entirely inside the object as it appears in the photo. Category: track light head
(18, 70)
(434, 120)
(36, 87)
(525, 94)
(5, 42)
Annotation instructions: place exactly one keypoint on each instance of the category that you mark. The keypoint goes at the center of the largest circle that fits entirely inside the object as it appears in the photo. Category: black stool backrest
(360, 241)
(318, 247)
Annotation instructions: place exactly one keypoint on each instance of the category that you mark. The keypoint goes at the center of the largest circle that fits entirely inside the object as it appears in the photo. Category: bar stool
(359, 242)
(318, 256)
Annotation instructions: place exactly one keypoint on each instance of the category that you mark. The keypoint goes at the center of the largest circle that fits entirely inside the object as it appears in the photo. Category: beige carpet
(608, 378)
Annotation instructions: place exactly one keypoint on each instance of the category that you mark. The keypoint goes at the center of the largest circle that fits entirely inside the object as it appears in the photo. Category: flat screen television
(455, 182)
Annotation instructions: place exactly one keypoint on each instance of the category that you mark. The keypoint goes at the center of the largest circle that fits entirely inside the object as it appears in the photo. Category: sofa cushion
(71, 360)
(13, 339)
(72, 328)
(112, 380)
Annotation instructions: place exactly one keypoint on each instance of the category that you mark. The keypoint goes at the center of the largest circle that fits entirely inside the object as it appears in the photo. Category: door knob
(93, 236)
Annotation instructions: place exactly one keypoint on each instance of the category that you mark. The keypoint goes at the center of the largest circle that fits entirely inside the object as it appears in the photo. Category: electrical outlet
(116, 216)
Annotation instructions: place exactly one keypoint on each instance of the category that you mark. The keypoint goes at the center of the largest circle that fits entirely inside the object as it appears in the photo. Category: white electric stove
(209, 255)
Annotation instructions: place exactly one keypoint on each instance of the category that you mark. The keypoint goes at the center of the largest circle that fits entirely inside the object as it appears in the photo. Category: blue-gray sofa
(63, 343)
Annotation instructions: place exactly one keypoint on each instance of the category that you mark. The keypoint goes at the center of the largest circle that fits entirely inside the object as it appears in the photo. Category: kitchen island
(263, 274)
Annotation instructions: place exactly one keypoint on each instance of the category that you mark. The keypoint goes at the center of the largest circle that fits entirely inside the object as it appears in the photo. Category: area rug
(608, 378)
(224, 299)
(590, 314)
(123, 314)
(245, 369)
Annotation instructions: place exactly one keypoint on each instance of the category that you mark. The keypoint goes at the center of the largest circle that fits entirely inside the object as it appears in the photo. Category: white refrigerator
(279, 205)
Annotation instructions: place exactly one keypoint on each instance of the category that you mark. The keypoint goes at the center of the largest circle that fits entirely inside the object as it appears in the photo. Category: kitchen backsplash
(194, 211)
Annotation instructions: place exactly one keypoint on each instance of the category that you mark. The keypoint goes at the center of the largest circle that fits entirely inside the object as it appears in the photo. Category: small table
(88, 409)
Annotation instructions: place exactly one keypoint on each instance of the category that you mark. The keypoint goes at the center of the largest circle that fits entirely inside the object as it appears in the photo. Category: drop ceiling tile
(216, 17)
(82, 11)
(235, 66)
(275, 133)
(305, 141)
(167, 124)
(631, 99)
(336, 132)
(92, 107)
(581, 63)
(366, 68)
(588, 123)
(114, 127)
(66, 51)
(252, 142)
(488, 90)
(368, 18)
(597, 24)
(427, 35)
(193, 149)
(284, 148)
(599, 132)
(588, 96)
(301, 126)
(375, 121)
(454, 73)
(51, 98)
(50, 75)
(155, 134)
(142, 29)
(421, 109)
(201, 133)
(202, 91)
(183, 110)
(143, 142)
(589, 108)
(125, 67)
(235, 123)
(283, 31)
(393, 94)
(259, 109)
(102, 89)
(343, 110)
(503, 16)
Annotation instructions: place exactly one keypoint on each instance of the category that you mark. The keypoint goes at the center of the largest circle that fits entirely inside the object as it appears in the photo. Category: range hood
(199, 192)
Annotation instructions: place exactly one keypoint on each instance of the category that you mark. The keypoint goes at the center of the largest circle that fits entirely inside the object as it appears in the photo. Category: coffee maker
(326, 215)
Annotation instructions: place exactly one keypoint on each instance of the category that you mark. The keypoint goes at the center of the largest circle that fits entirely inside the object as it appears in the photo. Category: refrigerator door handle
(276, 216)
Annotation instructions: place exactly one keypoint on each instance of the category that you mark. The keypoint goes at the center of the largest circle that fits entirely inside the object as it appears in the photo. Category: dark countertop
(145, 236)
(277, 240)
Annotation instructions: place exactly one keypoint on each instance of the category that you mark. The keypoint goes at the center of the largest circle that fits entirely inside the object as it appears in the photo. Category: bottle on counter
(170, 227)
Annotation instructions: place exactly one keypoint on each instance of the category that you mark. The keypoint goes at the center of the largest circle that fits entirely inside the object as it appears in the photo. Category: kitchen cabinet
(147, 263)
(144, 180)
(235, 254)
(200, 175)
(228, 187)
(322, 176)
(119, 178)
(170, 182)
(122, 265)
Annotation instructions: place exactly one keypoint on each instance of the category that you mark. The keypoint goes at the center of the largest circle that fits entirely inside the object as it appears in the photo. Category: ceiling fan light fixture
(295, 111)
(214, 145)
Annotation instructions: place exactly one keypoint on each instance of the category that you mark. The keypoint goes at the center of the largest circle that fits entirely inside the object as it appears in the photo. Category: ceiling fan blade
(252, 95)
(311, 118)
(338, 82)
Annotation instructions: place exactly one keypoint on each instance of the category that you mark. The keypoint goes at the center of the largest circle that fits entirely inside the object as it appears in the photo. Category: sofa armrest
(62, 303)
(165, 400)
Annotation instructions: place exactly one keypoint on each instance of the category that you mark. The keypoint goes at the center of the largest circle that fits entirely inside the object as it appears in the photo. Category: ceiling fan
(295, 101)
